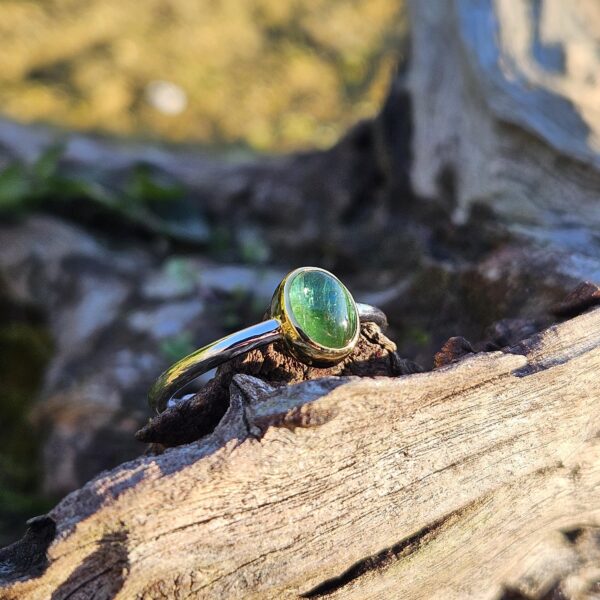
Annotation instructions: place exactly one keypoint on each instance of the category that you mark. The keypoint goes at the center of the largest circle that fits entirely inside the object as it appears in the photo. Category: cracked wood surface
(479, 479)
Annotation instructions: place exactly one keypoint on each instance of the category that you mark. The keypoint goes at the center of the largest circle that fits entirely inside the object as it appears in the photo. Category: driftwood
(467, 482)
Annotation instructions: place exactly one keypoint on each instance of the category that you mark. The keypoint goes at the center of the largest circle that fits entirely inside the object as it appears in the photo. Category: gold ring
(312, 311)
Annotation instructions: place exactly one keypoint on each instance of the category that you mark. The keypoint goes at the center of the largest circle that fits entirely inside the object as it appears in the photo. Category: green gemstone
(323, 308)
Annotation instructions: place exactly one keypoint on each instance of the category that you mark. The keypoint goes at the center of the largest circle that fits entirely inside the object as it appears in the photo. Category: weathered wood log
(505, 104)
(477, 479)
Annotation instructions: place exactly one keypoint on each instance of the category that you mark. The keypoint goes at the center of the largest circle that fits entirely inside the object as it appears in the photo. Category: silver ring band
(202, 360)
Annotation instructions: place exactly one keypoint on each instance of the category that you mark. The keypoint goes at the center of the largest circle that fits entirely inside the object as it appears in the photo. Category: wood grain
(456, 483)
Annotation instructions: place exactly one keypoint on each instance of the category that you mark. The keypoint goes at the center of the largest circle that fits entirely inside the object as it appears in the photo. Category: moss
(25, 348)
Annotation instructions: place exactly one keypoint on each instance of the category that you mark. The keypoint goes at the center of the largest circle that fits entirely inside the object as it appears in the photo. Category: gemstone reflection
(323, 308)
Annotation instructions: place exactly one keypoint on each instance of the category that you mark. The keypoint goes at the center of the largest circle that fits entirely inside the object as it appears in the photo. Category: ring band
(312, 311)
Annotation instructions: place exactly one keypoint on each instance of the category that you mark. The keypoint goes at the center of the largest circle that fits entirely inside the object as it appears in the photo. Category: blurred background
(258, 75)
(234, 78)
(164, 164)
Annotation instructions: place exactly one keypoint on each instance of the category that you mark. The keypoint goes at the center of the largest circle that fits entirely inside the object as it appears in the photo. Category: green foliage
(416, 336)
(145, 187)
(178, 346)
(25, 186)
(25, 349)
(181, 271)
(45, 168)
(146, 199)
(220, 241)
(239, 309)
(14, 188)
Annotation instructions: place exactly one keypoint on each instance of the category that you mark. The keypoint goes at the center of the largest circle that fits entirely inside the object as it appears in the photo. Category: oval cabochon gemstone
(323, 308)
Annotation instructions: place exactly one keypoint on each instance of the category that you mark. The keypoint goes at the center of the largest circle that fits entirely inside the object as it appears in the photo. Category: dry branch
(458, 483)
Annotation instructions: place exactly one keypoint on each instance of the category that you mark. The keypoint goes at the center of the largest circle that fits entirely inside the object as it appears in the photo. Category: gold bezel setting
(298, 341)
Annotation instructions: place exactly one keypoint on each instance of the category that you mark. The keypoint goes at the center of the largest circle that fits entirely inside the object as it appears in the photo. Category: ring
(311, 311)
